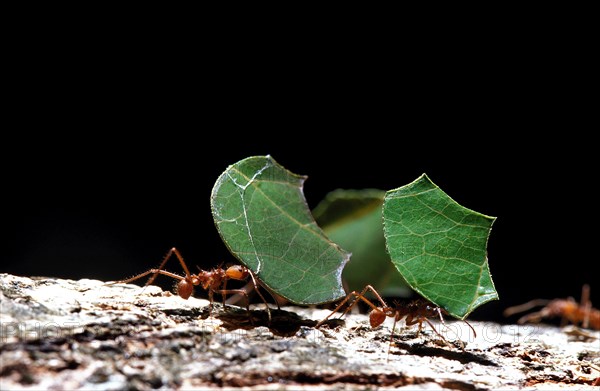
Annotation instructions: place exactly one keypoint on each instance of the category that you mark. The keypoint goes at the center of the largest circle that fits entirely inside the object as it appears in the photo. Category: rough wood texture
(66, 334)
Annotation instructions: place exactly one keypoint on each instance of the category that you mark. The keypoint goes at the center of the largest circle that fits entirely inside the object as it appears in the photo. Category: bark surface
(65, 334)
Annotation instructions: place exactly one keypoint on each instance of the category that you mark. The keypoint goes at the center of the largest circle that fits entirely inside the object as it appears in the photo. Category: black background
(115, 150)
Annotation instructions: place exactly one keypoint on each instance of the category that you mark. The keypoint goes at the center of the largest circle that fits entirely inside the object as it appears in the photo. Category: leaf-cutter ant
(416, 312)
(213, 281)
(568, 309)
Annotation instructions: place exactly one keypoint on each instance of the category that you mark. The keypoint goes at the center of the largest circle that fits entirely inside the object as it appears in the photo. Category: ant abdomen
(376, 318)
(185, 289)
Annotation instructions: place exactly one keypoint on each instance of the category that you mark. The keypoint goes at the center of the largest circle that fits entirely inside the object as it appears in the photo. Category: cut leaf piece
(261, 214)
(352, 219)
(439, 246)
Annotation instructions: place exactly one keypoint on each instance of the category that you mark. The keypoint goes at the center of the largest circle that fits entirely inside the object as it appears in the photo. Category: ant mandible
(568, 309)
(416, 312)
(213, 281)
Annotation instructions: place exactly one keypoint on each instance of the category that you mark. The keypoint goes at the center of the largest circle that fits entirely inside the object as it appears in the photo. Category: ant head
(429, 310)
(236, 272)
(185, 289)
(376, 317)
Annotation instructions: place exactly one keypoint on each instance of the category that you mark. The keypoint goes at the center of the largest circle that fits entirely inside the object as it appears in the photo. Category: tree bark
(66, 334)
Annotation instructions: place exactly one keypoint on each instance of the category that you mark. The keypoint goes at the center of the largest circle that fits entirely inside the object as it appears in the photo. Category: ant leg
(411, 321)
(361, 296)
(210, 301)
(250, 285)
(525, 307)
(585, 295)
(396, 318)
(164, 261)
(144, 274)
(433, 328)
(534, 317)
(223, 292)
(356, 297)
(439, 311)
(260, 294)
(471, 327)
(185, 287)
(233, 300)
(159, 270)
(586, 304)
(353, 293)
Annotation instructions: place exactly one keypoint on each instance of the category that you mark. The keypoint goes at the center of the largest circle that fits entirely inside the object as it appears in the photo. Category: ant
(416, 312)
(568, 309)
(214, 281)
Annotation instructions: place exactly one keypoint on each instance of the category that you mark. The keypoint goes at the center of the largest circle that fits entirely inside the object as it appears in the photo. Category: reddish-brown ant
(214, 281)
(568, 309)
(416, 312)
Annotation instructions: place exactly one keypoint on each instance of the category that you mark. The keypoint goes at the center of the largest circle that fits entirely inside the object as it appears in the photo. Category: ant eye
(184, 289)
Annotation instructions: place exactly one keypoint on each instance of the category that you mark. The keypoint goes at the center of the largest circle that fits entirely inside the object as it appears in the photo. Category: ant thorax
(211, 279)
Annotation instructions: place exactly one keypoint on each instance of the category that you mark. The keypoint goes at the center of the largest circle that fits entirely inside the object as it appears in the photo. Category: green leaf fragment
(352, 219)
(439, 246)
(262, 216)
